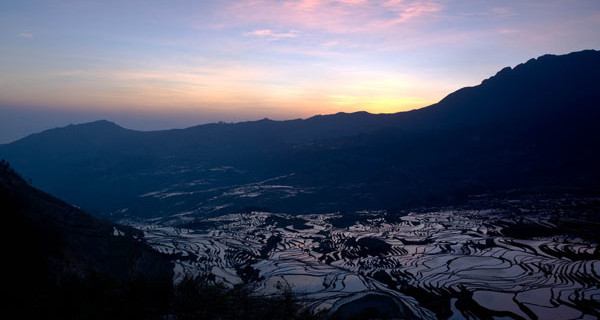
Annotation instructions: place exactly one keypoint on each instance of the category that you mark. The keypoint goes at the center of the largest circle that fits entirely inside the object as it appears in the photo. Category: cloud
(502, 12)
(26, 35)
(334, 16)
(508, 31)
(266, 33)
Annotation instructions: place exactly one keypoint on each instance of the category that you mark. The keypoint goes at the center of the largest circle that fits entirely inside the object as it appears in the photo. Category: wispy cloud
(335, 16)
(266, 33)
(268, 57)
(502, 12)
(508, 31)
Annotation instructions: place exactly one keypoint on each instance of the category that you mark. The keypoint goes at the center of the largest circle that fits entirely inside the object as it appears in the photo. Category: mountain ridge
(533, 125)
(503, 74)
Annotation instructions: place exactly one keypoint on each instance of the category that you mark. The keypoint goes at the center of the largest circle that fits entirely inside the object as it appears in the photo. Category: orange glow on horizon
(228, 90)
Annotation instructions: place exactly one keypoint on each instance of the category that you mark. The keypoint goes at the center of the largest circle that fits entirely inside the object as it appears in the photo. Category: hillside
(68, 263)
(534, 126)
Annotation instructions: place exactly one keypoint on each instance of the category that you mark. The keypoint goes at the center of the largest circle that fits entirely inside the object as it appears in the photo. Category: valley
(301, 160)
(484, 205)
(520, 257)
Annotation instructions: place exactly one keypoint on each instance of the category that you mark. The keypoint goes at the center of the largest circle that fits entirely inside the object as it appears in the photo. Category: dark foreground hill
(63, 262)
(535, 126)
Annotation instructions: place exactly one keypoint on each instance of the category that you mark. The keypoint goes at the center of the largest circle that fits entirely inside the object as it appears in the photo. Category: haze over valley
(482, 205)
(305, 159)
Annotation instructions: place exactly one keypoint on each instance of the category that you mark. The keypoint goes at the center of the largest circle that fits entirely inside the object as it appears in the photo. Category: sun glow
(277, 59)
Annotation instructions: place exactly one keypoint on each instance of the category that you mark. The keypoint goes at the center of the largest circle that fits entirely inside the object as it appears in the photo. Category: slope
(63, 262)
(532, 126)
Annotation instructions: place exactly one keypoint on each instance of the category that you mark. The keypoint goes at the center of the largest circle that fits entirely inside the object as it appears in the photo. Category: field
(521, 257)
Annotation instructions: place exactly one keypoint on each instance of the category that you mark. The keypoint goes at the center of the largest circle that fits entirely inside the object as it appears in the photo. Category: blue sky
(162, 64)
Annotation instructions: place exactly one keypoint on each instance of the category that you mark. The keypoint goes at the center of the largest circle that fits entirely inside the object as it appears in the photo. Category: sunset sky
(163, 64)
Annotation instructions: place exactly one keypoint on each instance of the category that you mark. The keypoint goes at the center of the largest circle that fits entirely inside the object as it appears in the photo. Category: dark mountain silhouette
(533, 126)
(62, 259)
(66, 264)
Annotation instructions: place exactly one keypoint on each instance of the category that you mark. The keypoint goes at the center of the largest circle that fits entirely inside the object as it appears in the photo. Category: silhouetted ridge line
(536, 125)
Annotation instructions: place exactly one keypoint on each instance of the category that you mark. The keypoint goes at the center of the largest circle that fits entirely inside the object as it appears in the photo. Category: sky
(160, 64)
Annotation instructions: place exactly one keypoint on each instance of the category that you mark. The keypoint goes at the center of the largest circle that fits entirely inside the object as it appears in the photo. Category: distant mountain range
(533, 126)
